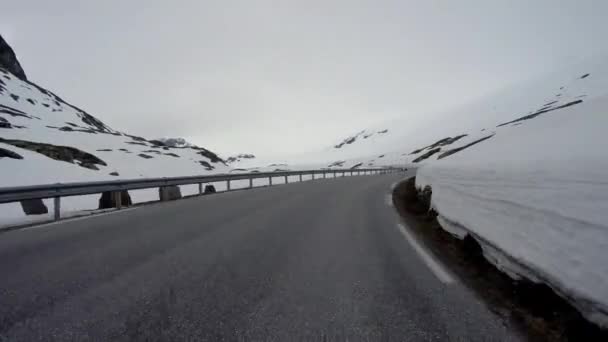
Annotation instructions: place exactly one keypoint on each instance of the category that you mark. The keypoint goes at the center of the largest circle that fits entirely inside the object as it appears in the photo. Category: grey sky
(277, 77)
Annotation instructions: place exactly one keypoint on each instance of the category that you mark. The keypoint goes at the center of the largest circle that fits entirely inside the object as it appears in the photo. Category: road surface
(319, 260)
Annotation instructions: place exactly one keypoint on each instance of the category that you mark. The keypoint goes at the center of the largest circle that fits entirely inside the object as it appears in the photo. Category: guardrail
(58, 190)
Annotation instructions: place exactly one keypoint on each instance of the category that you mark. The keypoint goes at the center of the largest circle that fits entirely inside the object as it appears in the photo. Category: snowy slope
(526, 170)
(44, 139)
(399, 138)
(34, 116)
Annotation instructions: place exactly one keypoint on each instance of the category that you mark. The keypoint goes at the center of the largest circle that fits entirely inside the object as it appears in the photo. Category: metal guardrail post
(200, 188)
(300, 177)
(250, 183)
(117, 199)
(270, 181)
(324, 175)
(57, 208)
(313, 175)
(228, 185)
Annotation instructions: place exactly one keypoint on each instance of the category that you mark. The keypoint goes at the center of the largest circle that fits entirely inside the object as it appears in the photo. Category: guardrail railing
(58, 190)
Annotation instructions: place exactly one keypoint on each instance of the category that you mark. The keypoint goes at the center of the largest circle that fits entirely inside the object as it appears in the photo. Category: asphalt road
(320, 260)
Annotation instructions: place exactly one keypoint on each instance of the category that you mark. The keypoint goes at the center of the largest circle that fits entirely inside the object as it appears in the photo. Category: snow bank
(539, 192)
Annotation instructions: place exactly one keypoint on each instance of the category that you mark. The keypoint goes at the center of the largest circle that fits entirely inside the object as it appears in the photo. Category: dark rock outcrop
(338, 163)
(8, 60)
(206, 165)
(458, 149)
(4, 123)
(427, 155)
(169, 193)
(239, 157)
(541, 111)
(210, 189)
(439, 143)
(9, 154)
(214, 158)
(108, 200)
(63, 153)
(34, 207)
(13, 112)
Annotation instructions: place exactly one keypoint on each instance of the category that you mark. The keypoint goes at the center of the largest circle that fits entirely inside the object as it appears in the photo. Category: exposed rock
(585, 76)
(458, 149)
(136, 143)
(123, 149)
(104, 150)
(207, 166)
(9, 154)
(63, 153)
(8, 60)
(151, 151)
(210, 189)
(135, 137)
(171, 154)
(157, 143)
(4, 123)
(169, 193)
(427, 155)
(209, 155)
(15, 97)
(339, 163)
(34, 207)
(12, 111)
(383, 131)
(442, 142)
(31, 101)
(349, 140)
(239, 157)
(541, 111)
(381, 156)
(108, 200)
(356, 166)
(145, 156)
(114, 173)
(78, 129)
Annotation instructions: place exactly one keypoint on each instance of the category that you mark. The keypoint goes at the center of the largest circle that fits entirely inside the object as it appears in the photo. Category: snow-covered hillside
(44, 139)
(526, 170)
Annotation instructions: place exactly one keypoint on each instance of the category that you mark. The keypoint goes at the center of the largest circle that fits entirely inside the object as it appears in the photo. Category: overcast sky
(277, 77)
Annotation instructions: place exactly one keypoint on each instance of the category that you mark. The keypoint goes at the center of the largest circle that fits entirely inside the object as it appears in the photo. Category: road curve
(319, 260)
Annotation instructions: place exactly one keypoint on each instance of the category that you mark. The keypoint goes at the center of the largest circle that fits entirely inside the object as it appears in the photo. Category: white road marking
(388, 199)
(428, 259)
(79, 218)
